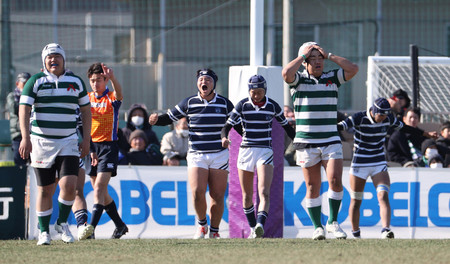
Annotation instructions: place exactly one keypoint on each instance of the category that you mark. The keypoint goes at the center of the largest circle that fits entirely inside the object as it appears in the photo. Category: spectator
(142, 153)
(443, 143)
(12, 104)
(287, 109)
(405, 148)
(174, 144)
(137, 119)
(431, 157)
(399, 103)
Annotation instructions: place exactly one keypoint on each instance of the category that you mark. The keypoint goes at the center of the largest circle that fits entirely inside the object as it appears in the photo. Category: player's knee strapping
(356, 195)
(383, 188)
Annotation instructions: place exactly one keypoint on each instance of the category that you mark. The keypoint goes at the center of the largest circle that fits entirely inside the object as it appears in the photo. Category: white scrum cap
(53, 48)
(302, 48)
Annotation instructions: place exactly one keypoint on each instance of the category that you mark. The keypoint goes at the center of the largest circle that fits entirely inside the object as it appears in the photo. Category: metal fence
(142, 38)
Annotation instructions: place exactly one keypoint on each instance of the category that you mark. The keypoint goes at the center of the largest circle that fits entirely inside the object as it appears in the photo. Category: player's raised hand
(108, 73)
(153, 118)
(322, 51)
(308, 50)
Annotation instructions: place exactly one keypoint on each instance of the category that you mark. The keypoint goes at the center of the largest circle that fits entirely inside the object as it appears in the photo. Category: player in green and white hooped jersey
(314, 94)
(53, 97)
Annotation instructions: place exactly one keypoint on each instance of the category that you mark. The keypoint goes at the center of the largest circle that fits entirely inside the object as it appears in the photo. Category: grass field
(228, 251)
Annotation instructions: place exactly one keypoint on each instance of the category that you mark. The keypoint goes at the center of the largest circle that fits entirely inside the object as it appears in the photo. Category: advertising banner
(12, 202)
(156, 202)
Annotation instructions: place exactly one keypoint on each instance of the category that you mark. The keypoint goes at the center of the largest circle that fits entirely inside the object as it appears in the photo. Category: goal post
(385, 74)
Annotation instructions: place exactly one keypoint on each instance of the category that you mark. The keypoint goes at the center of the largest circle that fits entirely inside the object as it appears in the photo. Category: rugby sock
(262, 216)
(202, 222)
(96, 214)
(334, 210)
(214, 229)
(81, 217)
(44, 220)
(357, 233)
(314, 214)
(111, 210)
(65, 207)
(250, 214)
(334, 201)
(314, 206)
(385, 229)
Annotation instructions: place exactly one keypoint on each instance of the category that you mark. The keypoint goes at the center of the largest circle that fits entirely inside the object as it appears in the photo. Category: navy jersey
(205, 121)
(257, 121)
(369, 138)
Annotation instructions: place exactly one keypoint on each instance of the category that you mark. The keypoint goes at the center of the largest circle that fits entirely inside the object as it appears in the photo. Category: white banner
(156, 202)
(419, 199)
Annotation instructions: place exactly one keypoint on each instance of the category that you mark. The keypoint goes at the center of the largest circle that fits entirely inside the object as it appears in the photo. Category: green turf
(228, 251)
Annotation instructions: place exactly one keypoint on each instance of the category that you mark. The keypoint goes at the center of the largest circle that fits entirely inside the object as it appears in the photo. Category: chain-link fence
(141, 38)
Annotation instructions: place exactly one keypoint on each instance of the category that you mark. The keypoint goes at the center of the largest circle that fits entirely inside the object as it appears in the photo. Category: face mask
(137, 120)
(432, 152)
(183, 132)
(436, 165)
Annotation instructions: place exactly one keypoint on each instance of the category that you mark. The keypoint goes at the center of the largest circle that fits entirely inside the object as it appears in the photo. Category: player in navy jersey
(369, 159)
(255, 114)
(207, 160)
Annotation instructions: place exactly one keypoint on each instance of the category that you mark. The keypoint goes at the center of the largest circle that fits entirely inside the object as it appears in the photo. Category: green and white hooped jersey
(54, 102)
(315, 106)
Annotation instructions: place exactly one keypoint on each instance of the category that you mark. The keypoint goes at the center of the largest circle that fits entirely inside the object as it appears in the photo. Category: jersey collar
(103, 94)
(257, 107)
(205, 101)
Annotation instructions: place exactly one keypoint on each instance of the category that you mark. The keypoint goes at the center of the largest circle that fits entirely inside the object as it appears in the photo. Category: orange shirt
(105, 116)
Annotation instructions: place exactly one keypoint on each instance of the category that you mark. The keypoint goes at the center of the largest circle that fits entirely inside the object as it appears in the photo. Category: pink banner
(238, 224)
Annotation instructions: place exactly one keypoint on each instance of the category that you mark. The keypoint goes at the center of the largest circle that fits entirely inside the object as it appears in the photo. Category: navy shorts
(108, 158)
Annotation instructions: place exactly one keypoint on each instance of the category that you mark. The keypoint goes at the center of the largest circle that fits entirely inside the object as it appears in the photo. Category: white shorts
(311, 156)
(251, 158)
(215, 160)
(365, 172)
(46, 150)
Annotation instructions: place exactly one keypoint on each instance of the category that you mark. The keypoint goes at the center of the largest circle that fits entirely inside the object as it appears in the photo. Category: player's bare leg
(217, 181)
(198, 181)
(382, 184)
(357, 188)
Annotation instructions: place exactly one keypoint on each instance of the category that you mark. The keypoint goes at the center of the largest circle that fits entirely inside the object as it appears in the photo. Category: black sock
(96, 214)
(202, 222)
(262, 216)
(250, 214)
(356, 233)
(385, 229)
(111, 210)
(81, 216)
(214, 229)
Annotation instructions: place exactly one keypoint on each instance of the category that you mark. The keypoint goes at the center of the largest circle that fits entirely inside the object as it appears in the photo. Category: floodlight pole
(256, 32)
(55, 20)
(414, 53)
